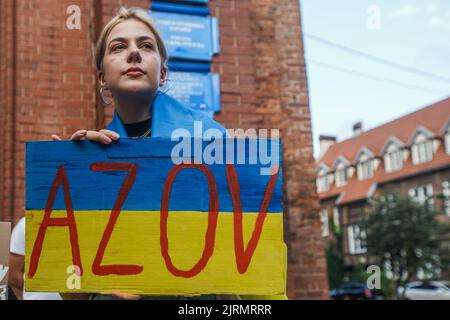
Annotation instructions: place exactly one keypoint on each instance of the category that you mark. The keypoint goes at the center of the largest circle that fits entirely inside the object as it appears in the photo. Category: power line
(371, 77)
(378, 59)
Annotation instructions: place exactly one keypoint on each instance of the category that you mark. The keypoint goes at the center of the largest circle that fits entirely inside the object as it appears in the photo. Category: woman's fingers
(102, 136)
(79, 135)
(125, 296)
(110, 134)
(98, 137)
(56, 138)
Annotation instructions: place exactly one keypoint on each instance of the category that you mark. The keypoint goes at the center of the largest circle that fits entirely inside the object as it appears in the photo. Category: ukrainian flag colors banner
(133, 217)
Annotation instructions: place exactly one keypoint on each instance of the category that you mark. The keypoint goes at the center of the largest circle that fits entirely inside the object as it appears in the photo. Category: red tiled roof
(433, 118)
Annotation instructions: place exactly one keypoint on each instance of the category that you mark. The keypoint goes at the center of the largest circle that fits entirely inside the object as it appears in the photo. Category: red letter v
(244, 256)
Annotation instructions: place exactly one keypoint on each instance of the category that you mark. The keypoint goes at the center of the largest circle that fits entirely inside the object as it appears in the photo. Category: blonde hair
(123, 14)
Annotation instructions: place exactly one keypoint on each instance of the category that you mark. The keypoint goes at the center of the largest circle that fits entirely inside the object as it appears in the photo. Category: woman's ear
(101, 78)
(163, 77)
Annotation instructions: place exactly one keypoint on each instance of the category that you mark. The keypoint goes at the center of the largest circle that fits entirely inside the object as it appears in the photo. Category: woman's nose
(134, 56)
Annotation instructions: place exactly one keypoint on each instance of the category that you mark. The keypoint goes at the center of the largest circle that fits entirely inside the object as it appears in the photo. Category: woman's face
(132, 62)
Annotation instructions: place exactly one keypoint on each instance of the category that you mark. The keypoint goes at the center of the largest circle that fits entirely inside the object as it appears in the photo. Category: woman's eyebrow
(139, 39)
(120, 39)
(143, 38)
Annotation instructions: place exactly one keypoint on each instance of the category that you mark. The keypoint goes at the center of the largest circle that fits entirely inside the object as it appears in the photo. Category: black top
(138, 129)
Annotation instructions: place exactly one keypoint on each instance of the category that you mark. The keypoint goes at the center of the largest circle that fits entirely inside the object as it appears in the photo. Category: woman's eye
(118, 47)
(147, 45)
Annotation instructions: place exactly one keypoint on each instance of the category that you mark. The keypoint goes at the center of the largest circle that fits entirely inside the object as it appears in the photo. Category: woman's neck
(134, 108)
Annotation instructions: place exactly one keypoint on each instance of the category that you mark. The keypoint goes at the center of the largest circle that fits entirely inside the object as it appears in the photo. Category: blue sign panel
(188, 37)
(199, 91)
(188, 7)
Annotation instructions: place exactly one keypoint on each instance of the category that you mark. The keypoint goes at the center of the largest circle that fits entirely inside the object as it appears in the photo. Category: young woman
(131, 62)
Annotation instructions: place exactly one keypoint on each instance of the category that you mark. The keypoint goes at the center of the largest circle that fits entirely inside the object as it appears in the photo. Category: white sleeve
(18, 238)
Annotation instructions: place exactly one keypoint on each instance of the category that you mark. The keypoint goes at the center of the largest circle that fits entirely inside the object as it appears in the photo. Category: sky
(412, 33)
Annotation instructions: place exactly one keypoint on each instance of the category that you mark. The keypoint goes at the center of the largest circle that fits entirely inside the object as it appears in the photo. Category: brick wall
(51, 88)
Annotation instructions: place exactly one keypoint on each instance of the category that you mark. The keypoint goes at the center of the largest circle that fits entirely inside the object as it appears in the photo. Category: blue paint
(98, 190)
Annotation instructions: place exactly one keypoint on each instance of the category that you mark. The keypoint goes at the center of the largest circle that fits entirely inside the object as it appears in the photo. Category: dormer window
(422, 148)
(323, 180)
(340, 174)
(341, 177)
(365, 166)
(447, 140)
(393, 157)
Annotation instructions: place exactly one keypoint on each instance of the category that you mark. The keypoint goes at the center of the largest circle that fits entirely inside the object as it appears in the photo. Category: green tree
(335, 257)
(401, 234)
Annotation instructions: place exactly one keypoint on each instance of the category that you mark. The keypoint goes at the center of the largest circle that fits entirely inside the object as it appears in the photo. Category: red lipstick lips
(134, 72)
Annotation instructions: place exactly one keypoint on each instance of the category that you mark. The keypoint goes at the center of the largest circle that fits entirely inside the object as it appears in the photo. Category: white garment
(18, 247)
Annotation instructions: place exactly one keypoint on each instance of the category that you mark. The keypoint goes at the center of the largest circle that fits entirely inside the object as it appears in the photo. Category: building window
(447, 141)
(323, 181)
(341, 175)
(356, 239)
(422, 194)
(446, 194)
(393, 159)
(365, 169)
(324, 220)
(336, 221)
(422, 150)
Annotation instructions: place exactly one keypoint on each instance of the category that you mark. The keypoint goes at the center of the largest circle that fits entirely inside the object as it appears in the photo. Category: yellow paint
(135, 240)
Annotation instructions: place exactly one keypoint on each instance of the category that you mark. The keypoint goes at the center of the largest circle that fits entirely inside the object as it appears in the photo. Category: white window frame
(323, 181)
(422, 193)
(446, 194)
(325, 226)
(422, 149)
(365, 169)
(336, 221)
(393, 158)
(340, 175)
(447, 141)
(356, 243)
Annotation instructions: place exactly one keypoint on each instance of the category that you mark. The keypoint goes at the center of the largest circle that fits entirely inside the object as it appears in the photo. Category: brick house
(48, 86)
(409, 156)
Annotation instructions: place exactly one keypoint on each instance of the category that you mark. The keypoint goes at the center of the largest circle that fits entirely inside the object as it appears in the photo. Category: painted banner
(139, 217)
(5, 235)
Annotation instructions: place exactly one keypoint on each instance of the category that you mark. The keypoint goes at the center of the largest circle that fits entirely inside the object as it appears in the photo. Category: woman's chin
(136, 87)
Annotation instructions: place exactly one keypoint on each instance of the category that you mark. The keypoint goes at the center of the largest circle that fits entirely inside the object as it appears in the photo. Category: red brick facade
(48, 85)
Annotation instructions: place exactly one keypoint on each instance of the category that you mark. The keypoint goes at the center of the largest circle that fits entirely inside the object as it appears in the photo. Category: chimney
(325, 143)
(357, 128)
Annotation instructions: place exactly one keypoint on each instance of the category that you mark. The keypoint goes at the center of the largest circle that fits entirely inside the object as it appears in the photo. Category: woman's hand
(125, 296)
(103, 136)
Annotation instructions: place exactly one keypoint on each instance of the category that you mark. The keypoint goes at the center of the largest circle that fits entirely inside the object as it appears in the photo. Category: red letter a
(47, 221)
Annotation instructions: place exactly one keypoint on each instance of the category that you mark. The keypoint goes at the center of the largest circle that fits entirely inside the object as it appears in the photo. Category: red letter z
(131, 168)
